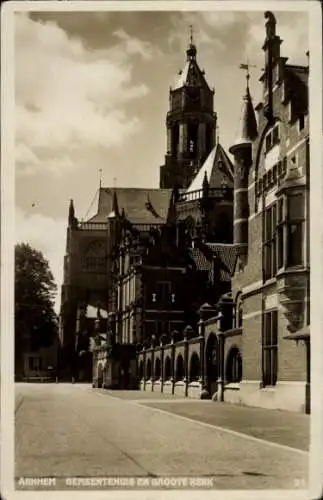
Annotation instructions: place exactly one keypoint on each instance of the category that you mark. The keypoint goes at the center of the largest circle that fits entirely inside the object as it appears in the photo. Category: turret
(271, 48)
(242, 152)
(72, 221)
(190, 122)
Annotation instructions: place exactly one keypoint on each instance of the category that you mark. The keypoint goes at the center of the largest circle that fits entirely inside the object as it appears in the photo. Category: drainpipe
(220, 383)
(173, 363)
(186, 362)
(152, 362)
(308, 377)
(202, 357)
(144, 370)
(162, 375)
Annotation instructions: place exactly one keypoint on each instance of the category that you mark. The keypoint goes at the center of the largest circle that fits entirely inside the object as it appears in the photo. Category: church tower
(191, 124)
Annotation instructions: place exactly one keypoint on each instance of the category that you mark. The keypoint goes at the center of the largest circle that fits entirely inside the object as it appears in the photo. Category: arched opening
(194, 367)
(148, 370)
(141, 370)
(157, 369)
(179, 368)
(212, 362)
(168, 369)
(175, 140)
(234, 366)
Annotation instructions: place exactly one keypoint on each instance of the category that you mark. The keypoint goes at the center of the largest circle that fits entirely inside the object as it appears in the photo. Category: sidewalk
(282, 427)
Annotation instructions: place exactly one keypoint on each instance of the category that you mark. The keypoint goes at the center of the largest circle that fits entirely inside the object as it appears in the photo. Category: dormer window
(275, 135)
(283, 91)
(301, 122)
(268, 142)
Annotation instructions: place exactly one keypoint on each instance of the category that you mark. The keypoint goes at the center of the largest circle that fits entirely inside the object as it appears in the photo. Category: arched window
(168, 369)
(234, 366)
(194, 367)
(95, 257)
(212, 358)
(148, 370)
(157, 369)
(179, 367)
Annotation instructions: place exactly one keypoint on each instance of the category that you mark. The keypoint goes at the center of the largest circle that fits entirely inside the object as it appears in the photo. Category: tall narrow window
(270, 341)
(269, 248)
(295, 230)
(280, 233)
(301, 122)
(276, 134)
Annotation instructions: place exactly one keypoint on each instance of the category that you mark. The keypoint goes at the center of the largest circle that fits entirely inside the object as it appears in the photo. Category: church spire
(71, 214)
(247, 129)
(191, 51)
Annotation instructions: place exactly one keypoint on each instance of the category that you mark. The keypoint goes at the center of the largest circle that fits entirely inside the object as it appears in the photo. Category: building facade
(255, 344)
(205, 281)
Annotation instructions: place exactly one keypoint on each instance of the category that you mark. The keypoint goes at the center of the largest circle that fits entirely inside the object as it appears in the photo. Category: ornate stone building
(253, 346)
(205, 281)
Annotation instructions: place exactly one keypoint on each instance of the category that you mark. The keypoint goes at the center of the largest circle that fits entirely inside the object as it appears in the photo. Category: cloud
(134, 46)
(47, 235)
(70, 98)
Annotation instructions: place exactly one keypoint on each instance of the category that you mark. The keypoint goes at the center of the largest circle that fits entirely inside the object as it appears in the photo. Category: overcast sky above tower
(92, 94)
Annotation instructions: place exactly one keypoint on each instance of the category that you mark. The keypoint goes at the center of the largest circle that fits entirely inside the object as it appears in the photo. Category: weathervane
(246, 66)
(100, 176)
(191, 34)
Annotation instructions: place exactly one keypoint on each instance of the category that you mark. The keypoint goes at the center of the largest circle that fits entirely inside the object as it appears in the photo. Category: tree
(35, 290)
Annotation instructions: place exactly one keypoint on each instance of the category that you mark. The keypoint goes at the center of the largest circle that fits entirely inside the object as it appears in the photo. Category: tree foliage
(35, 290)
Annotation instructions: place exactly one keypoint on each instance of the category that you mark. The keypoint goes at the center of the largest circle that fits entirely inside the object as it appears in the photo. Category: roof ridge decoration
(151, 209)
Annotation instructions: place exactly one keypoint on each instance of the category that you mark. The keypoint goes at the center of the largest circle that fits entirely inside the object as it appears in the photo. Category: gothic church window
(95, 257)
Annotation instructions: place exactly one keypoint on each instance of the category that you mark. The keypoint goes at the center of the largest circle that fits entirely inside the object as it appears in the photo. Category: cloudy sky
(91, 93)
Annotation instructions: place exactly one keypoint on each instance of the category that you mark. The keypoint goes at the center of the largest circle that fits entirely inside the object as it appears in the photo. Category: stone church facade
(201, 287)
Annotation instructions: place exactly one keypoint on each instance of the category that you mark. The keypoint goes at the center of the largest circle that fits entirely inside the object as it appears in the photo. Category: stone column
(173, 363)
(201, 139)
(186, 374)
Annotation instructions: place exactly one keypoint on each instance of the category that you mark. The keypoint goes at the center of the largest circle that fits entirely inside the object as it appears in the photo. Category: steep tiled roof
(247, 127)
(227, 253)
(141, 205)
(191, 75)
(203, 259)
(217, 167)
